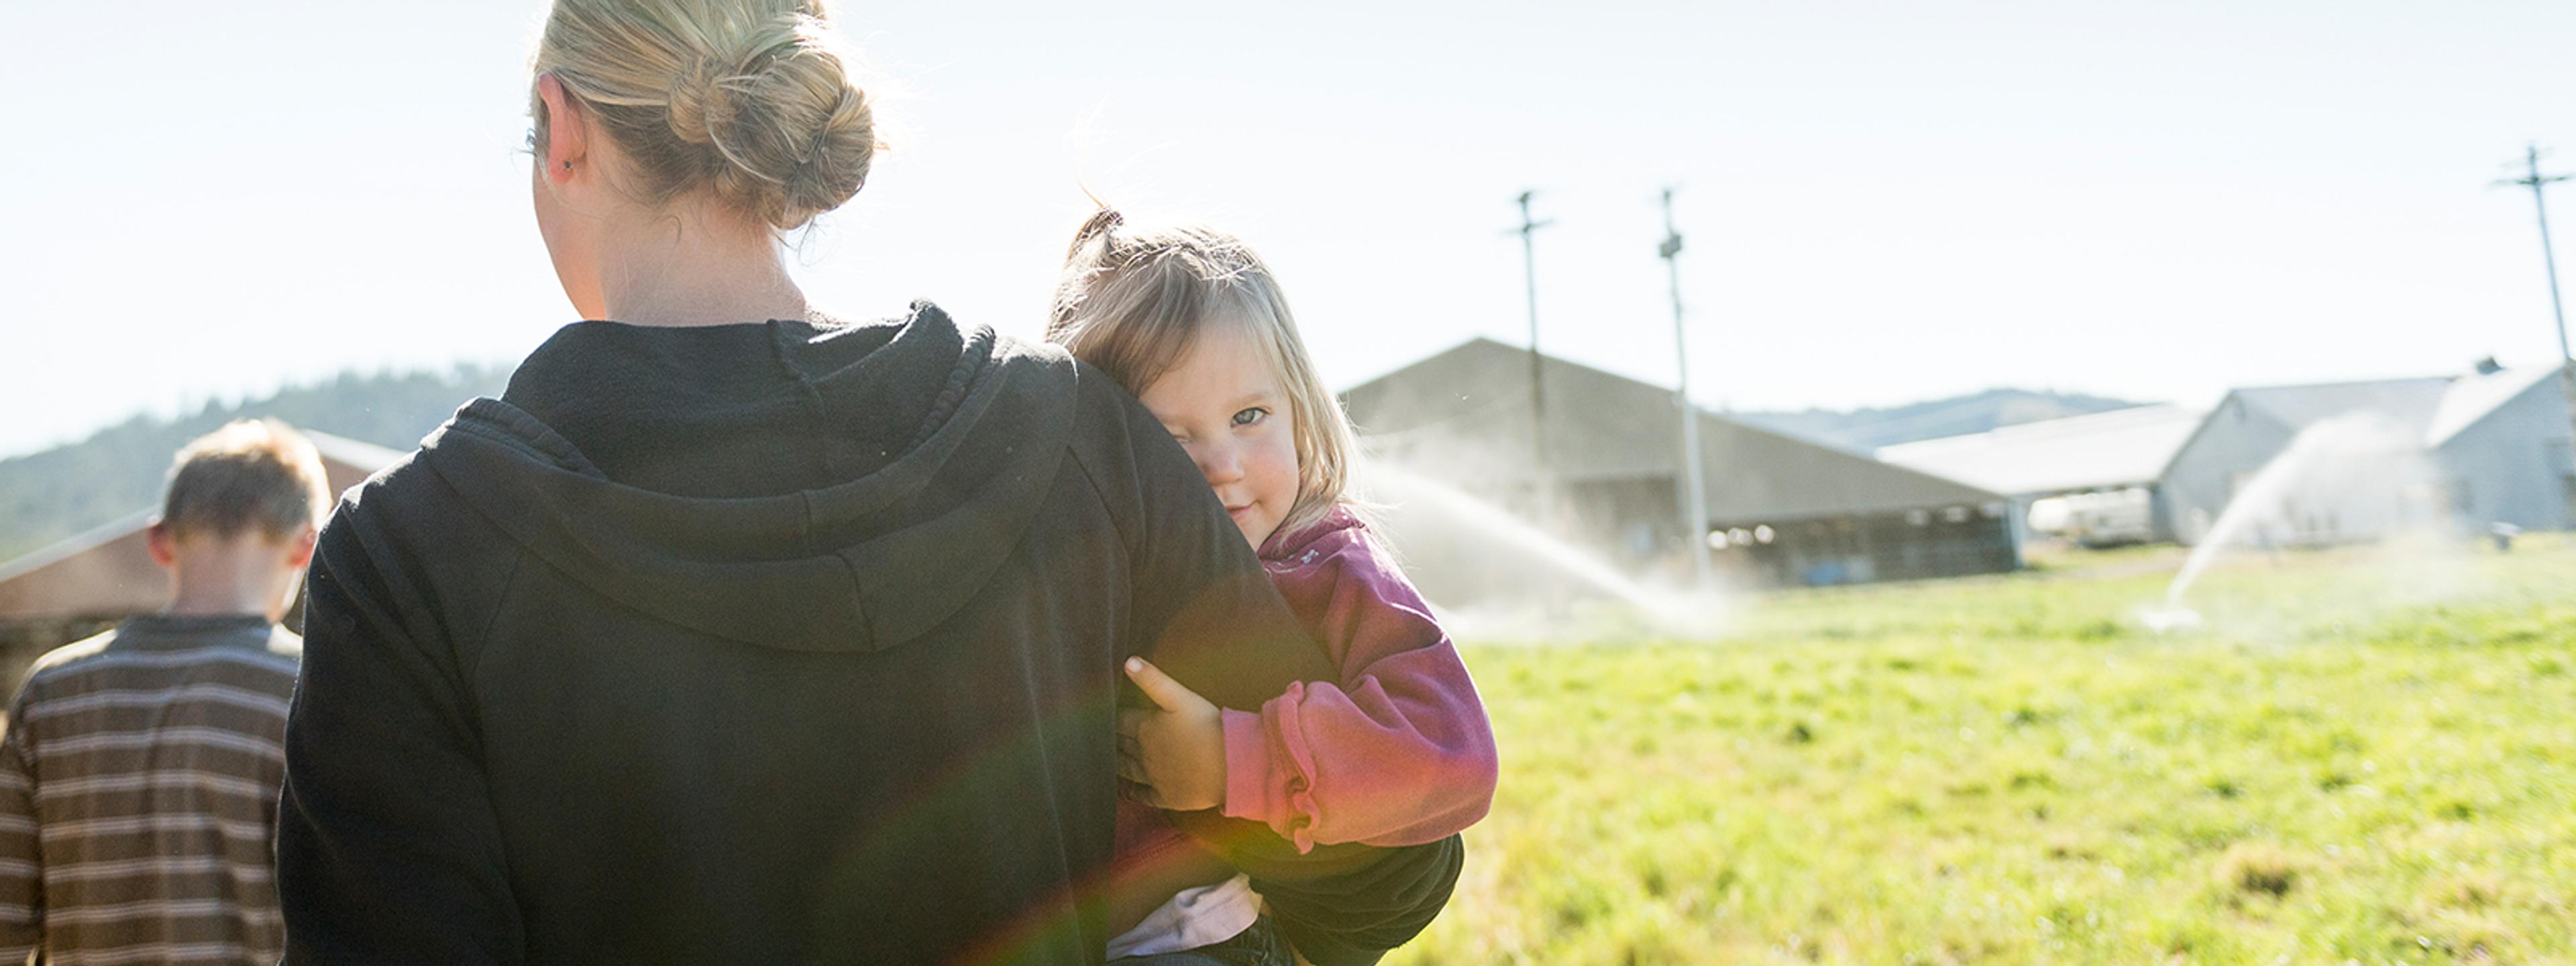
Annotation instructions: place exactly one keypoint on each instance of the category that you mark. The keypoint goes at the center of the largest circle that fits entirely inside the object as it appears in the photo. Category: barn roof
(351, 454)
(2122, 447)
(2474, 398)
(2409, 401)
(1465, 413)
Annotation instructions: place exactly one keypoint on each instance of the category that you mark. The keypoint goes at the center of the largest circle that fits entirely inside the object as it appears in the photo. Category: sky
(1881, 202)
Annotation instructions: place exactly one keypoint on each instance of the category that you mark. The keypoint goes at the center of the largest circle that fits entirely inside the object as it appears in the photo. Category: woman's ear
(567, 130)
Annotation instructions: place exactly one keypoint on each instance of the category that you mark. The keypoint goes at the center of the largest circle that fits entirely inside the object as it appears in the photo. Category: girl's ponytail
(1101, 223)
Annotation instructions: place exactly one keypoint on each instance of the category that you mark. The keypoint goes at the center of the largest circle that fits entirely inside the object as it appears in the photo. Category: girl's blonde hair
(750, 100)
(1133, 300)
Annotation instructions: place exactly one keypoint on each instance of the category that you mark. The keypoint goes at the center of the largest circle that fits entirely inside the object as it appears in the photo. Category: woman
(732, 635)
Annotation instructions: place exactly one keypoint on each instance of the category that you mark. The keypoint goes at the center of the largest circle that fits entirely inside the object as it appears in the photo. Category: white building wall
(2231, 446)
(2514, 466)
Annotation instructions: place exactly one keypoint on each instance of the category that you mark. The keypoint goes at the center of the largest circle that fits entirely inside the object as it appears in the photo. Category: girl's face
(1225, 407)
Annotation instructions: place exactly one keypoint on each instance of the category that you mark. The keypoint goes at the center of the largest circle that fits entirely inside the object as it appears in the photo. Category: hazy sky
(1883, 201)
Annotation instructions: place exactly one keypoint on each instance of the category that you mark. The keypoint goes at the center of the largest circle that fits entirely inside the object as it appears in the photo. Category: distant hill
(47, 496)
(1864, 430)
(50, 495)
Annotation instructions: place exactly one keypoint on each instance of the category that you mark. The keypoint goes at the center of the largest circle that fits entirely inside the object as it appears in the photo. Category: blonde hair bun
(749, 100)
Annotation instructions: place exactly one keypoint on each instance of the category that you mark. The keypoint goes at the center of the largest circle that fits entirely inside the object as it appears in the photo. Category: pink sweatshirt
(1397, 752)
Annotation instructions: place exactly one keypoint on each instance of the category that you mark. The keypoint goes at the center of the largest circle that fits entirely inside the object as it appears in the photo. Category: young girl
(1396, 752)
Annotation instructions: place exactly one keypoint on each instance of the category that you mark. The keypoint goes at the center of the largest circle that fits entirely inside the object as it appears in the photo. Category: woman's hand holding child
(1174, 752)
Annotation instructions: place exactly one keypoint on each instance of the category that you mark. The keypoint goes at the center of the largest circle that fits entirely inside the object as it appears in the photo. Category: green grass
(2361, 756)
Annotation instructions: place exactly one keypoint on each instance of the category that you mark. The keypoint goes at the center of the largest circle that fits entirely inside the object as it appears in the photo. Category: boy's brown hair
(252, 473)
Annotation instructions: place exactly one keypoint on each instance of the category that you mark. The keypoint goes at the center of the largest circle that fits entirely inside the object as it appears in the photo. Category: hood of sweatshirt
(1285, 546)
(781, 484)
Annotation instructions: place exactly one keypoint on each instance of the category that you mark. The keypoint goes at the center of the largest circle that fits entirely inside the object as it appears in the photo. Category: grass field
(2362, 755)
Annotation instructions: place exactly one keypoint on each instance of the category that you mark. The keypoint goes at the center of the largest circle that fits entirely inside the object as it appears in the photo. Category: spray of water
(2350, 477)
(1419, 504)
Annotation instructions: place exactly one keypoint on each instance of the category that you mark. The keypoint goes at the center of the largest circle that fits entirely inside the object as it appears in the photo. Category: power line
(2536, 181)
(1538, 390)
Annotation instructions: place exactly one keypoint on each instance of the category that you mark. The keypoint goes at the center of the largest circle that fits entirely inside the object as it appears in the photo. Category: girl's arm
(1398, 752)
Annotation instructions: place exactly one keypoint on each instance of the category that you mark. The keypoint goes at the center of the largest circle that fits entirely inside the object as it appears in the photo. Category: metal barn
(1603, 470)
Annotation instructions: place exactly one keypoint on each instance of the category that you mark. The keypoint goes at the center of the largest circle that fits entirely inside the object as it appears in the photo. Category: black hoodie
(773, 643)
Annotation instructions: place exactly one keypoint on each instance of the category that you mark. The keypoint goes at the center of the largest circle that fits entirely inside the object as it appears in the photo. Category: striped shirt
(138, 794)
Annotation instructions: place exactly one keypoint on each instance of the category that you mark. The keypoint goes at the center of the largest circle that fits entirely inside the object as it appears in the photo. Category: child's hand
(1173, 752)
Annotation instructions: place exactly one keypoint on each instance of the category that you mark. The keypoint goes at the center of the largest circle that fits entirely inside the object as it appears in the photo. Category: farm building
(2468, 452)
(2251, 426)
(84, 584)
(2501, 439)
(2092, 478)
(1603, 472)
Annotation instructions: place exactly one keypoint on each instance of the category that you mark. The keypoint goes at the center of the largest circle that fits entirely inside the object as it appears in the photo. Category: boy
(139, 775)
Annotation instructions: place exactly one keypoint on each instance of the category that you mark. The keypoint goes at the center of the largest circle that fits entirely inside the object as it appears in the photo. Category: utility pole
(1694, 497)
(2549, 262)
(1538, 396)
